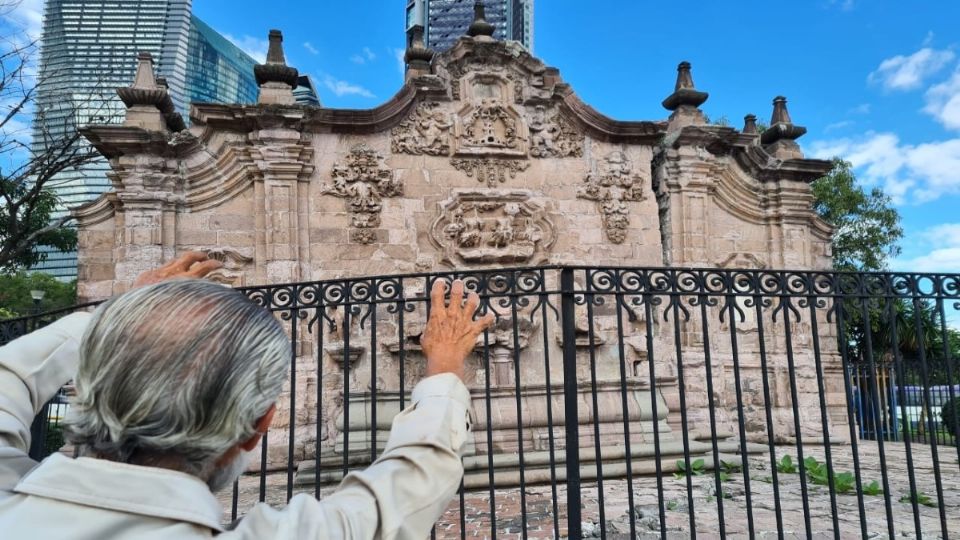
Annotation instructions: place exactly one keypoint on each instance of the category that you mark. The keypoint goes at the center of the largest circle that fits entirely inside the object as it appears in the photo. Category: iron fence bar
(840, 310)
(648, 302)
(516, 381)
(795, 406)
(891, 315)
(874, 391)
(675, 304)
(951, 386)
(319, 317)
(768, 410)
(626, 415)
(235, 500)
(373, 382)
(589, 298)
(490, 471)
(294, 324)
(263, 466)
(931, 427)
(544, 300)
(571, 413)
(703, 300)
(731, 306)
(824, 425)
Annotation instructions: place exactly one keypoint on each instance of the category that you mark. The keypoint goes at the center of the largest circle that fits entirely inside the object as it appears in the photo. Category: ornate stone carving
(427, 131)
(612, 185)
(363, 179)
(491, 172)
(234, 264)
(551, 135)
(483, 227)
(489, 126)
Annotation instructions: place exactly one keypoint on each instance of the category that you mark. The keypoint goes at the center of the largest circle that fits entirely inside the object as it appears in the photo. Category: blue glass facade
(90, 48)
(445, 21)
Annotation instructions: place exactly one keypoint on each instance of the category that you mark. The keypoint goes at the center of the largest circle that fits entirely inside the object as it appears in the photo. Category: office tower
(445, 21)
(89, 49)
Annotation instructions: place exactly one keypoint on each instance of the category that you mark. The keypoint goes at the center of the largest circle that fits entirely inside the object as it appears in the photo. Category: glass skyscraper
(89, 49)
(446, 21)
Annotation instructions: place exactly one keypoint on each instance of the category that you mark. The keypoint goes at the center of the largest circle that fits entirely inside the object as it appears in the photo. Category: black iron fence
(621, 402)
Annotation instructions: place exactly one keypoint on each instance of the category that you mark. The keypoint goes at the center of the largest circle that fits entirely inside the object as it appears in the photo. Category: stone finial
(684, 93)
(148, 100)
(750, 124)
(781, 127)
(418, 56)
(275, 78)
(480, 28)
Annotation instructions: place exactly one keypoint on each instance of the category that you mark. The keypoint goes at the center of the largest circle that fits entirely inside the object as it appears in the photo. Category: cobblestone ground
(476, 520)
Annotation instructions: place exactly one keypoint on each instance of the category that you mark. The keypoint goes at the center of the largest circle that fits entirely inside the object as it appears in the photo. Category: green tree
(15, 293)
(866, 227)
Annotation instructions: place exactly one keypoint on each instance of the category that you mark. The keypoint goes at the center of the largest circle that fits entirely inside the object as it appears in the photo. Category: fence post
(38, 434)
(570, 397)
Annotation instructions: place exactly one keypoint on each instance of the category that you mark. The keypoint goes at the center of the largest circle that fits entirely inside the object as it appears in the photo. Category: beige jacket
(399, 496)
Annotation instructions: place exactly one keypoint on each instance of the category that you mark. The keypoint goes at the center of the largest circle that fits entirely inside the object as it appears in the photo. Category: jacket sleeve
(32, 370)
(402, 494)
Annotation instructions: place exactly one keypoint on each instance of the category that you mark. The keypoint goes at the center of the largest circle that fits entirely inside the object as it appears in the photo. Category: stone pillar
(418, 56)
(284, 159)
(276, 79)
(685, 101)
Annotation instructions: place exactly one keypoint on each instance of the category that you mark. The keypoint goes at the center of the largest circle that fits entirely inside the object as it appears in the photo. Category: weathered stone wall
(484, 159)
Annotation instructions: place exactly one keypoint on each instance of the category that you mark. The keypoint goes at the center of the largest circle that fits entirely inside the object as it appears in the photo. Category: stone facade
(484, 158)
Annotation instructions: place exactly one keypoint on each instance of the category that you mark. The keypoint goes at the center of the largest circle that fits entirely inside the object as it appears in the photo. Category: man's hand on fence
(190, 265)
(451, 332)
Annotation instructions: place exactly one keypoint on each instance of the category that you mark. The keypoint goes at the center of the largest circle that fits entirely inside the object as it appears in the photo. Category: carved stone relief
(489, 127)
(491, 172)
(427, 131)
(363, 179)
(233, 266)
(486, 227)
(612, 185)
(551, 135)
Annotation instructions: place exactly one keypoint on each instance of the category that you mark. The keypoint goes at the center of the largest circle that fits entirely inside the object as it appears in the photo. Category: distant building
(306, 93)
(445, 21)
(90, 48)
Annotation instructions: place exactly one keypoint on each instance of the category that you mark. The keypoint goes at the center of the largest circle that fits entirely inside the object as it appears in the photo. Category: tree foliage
(866, 226)
(15, 299)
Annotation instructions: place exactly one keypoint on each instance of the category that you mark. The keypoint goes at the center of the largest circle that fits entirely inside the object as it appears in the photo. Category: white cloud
(909, 72)
(364, 56)
(838, 125)
(863, 108)
(907, 172)
(310, 48)
(344, 88)
(398, 55)
(255, 47)
(943, 101)
(943, 242)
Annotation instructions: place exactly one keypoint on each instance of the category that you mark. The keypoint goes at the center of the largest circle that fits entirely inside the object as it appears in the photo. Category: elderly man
(176, 383)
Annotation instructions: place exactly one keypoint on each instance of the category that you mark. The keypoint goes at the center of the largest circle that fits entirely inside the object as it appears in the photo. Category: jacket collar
(134, 489)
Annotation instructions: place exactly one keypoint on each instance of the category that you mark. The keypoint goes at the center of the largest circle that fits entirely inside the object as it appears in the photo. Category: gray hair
(178, 371)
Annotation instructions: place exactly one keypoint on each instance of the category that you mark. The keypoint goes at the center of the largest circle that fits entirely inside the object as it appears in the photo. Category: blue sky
(875, 81)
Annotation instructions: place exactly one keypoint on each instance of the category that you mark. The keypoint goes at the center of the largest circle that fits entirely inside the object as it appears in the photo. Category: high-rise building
(89, 49)
(445, 21)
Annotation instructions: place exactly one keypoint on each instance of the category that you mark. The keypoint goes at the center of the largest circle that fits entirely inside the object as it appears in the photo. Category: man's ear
(260, 427)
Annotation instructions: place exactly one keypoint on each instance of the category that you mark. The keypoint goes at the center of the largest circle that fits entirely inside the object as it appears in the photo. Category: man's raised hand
(192, 264)
(451, 332)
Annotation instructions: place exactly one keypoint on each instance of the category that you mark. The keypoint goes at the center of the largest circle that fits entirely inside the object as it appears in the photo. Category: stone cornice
(98, 210)
(114, 141)
(751, 157)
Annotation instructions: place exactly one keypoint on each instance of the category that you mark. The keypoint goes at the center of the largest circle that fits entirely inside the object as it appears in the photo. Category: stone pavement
(477, 521)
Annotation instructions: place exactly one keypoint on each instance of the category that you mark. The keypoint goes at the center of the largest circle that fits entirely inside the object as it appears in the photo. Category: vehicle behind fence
(624, 402)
